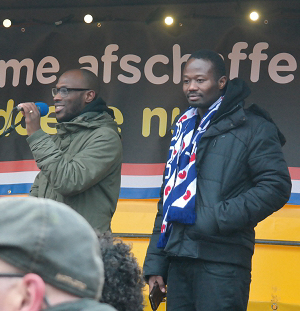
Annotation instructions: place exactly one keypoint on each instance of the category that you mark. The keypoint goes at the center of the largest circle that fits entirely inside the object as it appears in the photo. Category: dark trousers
(197, 285)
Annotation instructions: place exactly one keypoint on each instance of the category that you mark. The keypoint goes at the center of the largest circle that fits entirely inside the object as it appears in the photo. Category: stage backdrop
(140, 67)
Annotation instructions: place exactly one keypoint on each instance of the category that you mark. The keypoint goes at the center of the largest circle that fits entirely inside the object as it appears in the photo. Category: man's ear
(34, 289)
(90, 96)
(222, 82)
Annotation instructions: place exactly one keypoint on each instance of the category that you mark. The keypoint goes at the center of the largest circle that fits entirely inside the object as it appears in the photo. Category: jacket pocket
(220, 269)
(206, 223)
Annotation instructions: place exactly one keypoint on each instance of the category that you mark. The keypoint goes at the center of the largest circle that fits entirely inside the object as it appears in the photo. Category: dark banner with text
(140, 70)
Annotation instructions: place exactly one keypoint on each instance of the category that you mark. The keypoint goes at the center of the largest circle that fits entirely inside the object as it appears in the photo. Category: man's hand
(32, 117)
(159, 280)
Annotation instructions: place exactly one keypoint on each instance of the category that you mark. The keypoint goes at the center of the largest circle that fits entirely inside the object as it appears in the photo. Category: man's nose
(193, 86)
(57, 97)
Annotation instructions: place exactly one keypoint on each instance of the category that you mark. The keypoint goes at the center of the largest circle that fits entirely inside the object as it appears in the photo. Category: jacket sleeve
(271, 184)
(72, 175)
(156, 262)
(34, 191)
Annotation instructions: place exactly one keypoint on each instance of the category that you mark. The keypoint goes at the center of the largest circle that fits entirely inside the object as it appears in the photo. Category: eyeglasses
(20, 275)
(64, 91)
(11, 275)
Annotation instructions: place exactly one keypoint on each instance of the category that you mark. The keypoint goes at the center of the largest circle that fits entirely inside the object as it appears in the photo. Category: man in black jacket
(225, 173)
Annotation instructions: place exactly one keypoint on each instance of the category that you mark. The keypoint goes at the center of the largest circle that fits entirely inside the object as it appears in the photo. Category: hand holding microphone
(32, 113)
(42, 107)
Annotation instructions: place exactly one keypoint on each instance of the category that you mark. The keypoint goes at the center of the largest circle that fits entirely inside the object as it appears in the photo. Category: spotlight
(7, 23)
(254, 16)
(169, 20)
(88, 18)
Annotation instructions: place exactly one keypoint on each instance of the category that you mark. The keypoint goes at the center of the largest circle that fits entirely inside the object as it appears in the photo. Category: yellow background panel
(281, 225)
(134, 216)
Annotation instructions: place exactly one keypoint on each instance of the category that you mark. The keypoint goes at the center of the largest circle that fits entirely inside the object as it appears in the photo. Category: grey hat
(52, 240)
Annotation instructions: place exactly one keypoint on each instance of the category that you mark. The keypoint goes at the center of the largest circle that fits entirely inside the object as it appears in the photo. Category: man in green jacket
(49, 258)
(80, 165)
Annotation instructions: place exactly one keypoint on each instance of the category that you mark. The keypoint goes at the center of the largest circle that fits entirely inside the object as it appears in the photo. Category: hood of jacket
(236, 92)
(98, 105)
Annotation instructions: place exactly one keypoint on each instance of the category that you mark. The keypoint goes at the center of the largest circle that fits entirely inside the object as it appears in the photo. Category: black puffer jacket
(242, 178)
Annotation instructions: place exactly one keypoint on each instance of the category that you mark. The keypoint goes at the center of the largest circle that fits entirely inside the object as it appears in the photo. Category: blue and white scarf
(179, 194)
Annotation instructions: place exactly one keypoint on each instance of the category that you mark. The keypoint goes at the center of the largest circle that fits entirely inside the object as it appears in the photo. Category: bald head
(84, 78)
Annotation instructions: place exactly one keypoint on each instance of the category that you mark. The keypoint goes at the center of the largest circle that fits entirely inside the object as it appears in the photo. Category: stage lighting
(254, 16)
(7, 23)
(88, 18)
(169, 20)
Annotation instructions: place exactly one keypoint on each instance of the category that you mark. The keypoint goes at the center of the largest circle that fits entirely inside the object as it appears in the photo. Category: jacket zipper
(227, 113)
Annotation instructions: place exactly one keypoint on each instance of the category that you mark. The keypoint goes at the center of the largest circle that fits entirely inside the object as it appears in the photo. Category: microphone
(42, 107)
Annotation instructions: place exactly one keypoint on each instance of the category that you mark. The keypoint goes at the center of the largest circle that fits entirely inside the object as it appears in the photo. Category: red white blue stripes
(295, 176)
(139, 181)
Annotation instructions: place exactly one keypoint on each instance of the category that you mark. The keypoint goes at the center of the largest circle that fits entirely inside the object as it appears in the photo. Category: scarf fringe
(184, 216)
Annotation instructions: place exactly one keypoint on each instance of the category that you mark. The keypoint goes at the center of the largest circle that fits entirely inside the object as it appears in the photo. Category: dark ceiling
(47, 11)
(42, 4)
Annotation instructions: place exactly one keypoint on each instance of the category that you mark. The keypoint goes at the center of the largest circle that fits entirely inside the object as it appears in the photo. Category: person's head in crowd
(74, 90)
(124, 282)
(49, 255)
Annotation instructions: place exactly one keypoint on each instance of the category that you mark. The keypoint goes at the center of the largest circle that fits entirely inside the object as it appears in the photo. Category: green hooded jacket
(80, 166)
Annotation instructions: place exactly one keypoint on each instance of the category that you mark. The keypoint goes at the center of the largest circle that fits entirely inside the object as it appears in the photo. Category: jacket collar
(98, 105)
(234, 118)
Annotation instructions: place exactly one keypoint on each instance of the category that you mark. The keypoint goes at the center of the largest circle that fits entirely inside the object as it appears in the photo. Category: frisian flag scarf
(179, 194)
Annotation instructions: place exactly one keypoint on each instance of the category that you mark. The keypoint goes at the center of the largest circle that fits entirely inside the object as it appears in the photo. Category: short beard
(68, 118)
